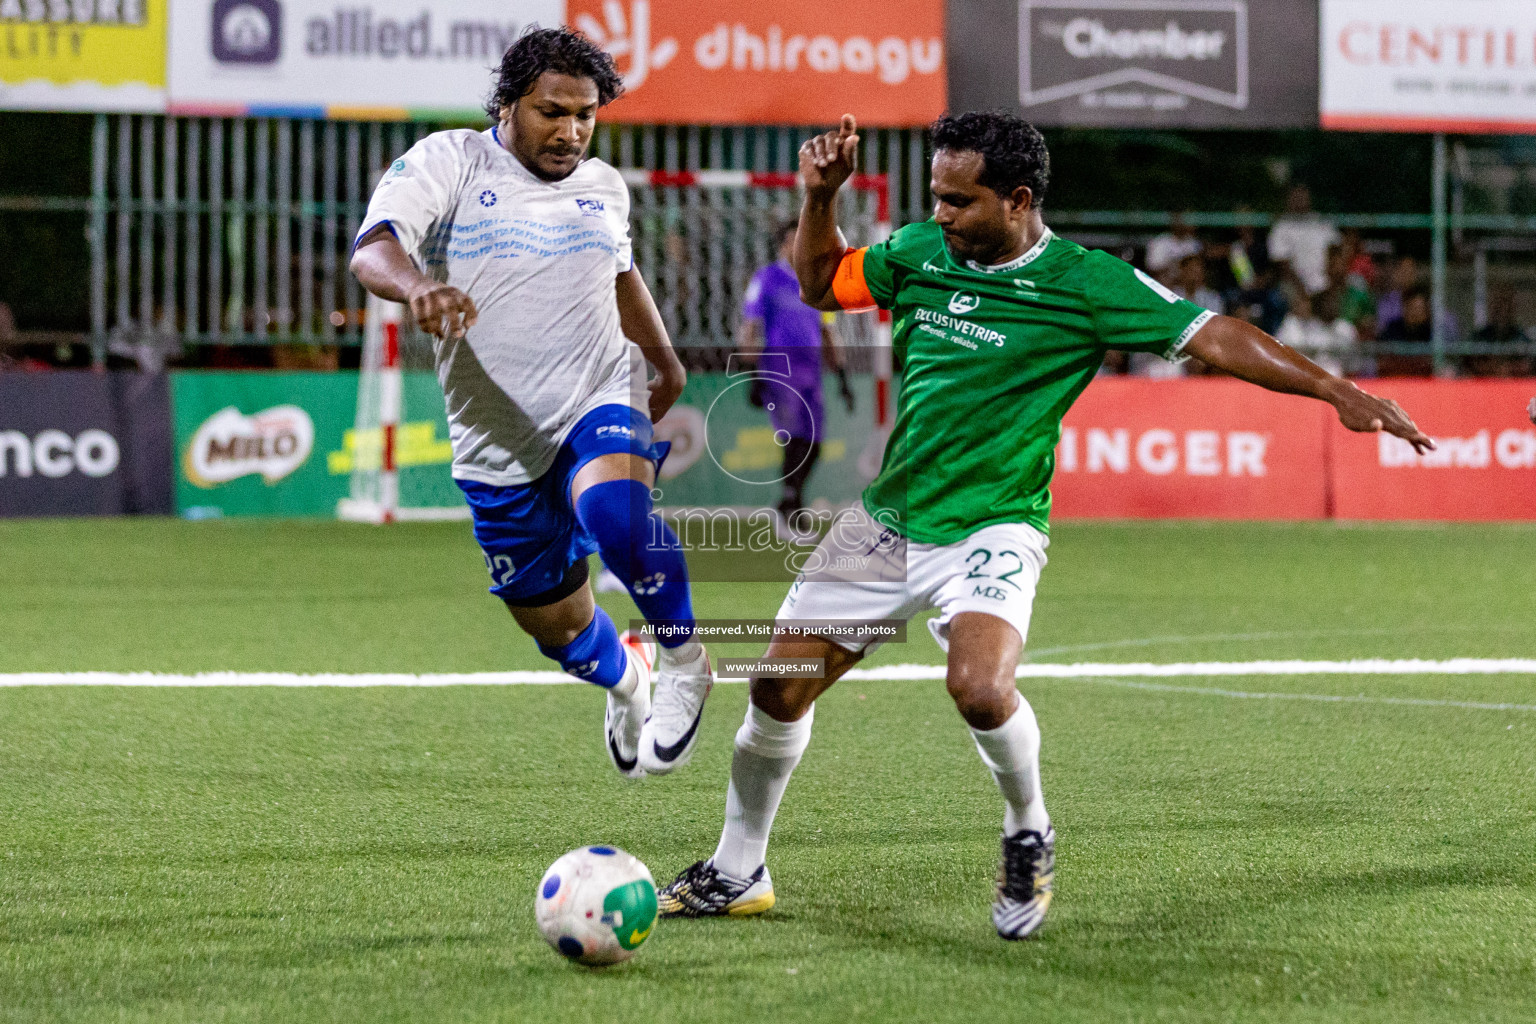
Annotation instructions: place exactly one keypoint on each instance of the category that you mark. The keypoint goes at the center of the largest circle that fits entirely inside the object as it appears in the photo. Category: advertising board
(1138, 63)
(1429, 65)
(77, 443)
(104, 55)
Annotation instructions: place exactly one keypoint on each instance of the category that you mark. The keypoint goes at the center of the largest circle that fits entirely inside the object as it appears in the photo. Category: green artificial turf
(371, 854)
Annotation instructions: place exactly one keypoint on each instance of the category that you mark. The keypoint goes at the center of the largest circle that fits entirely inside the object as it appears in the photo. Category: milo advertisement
(284, 444)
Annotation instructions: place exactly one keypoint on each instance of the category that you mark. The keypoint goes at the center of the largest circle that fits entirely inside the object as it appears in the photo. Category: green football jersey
(991, 359)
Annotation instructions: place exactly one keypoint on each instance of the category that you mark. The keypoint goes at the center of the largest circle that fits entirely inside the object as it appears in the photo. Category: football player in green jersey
(999, 326)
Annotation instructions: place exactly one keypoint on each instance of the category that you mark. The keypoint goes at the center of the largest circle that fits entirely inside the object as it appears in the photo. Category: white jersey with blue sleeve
(539, 259)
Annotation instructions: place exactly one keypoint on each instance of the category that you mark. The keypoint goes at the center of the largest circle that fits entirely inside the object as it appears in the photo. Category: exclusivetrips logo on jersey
(230, 445)
(962, 303)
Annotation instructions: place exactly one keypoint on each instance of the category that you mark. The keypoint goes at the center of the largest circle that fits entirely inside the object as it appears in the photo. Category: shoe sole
(1034, 917)
(755, 905)
(747, 908)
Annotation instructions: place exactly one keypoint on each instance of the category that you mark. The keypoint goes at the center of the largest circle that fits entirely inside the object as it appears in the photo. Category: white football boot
(626, 716)
(701, 891)
(667, 741)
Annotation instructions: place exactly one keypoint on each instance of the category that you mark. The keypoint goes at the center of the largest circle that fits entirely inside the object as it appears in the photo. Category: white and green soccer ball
(596, 905)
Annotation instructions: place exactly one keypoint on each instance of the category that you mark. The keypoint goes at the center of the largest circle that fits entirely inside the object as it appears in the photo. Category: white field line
(1100, 671)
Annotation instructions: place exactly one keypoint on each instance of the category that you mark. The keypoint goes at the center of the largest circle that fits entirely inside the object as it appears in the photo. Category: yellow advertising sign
(82, 55)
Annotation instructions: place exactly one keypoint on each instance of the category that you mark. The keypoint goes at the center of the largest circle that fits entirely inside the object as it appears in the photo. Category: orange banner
(1198, 448)
(1484, 468)
(804, 62)
(1215, 448)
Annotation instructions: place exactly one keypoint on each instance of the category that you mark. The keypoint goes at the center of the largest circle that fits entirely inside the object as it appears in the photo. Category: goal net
(698, 239)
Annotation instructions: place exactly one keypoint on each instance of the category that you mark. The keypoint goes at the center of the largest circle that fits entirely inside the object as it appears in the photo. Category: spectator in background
(1299, 242)
(1413, 325)
(1403, 277)
(1248, 281)
(1362, 265)
(1504, 330)
(1188, 282)
(1167, 251)
(1329, 344)
(1346, 298)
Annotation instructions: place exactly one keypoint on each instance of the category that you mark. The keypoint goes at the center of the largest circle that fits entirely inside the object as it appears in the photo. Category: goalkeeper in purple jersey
(999, 326)
(791, 342)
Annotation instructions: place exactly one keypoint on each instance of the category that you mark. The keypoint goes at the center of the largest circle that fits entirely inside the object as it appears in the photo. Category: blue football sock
(640, 549)
(595, 655)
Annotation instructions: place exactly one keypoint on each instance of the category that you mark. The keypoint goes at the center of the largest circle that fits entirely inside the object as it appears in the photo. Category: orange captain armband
(848, 285)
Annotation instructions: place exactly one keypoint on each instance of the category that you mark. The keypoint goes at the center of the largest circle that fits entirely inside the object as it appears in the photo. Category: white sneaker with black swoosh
(667, 741)
(626, 715)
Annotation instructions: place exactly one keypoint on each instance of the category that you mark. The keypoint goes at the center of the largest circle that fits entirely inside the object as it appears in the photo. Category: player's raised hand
(827, 160)
(1365, 413)
(443, 310)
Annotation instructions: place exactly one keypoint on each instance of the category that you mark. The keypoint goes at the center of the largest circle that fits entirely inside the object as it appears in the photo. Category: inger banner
(1221, 449)
(1429, 65)
(106, 55)
(1133, 448)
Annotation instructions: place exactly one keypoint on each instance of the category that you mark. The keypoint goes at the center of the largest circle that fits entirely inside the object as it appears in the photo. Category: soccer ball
(596, 905)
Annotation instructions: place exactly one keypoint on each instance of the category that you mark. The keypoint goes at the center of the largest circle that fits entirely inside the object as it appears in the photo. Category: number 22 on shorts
(980, 561)
(501, 569)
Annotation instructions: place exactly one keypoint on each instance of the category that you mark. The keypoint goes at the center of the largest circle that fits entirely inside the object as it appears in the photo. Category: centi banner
(1138, 63)
(317, 58)
(790, 62)
(283, 444)
(82, 55)
(1429, 65)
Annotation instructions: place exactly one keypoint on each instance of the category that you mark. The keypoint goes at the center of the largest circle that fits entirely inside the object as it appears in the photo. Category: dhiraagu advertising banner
(283, 444)
(83, 55)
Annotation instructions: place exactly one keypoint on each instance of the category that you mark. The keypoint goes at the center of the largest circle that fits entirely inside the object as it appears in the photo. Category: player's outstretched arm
(825, 163)
(385, 269)
(642, 324)
(1249, 354)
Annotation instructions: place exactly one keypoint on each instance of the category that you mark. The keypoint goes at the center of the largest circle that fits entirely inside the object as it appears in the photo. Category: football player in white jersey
(512, 248)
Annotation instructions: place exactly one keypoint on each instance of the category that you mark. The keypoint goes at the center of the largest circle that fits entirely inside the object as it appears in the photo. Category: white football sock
(1012, 752)
(684, 656)
(767, 751)
(625, 688)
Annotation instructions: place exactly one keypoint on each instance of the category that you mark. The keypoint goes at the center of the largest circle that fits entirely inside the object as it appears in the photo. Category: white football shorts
(863, 572)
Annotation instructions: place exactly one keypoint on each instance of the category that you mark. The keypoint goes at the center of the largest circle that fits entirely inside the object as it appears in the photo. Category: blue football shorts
(535, 549)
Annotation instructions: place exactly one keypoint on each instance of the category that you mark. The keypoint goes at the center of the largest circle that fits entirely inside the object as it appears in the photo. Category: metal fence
(238, 230)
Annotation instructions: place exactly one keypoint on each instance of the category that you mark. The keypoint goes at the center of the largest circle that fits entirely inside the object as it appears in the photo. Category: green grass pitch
(371, 855)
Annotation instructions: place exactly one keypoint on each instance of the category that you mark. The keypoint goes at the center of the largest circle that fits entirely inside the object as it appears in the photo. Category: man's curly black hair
(552, 49)
(1013, 152)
